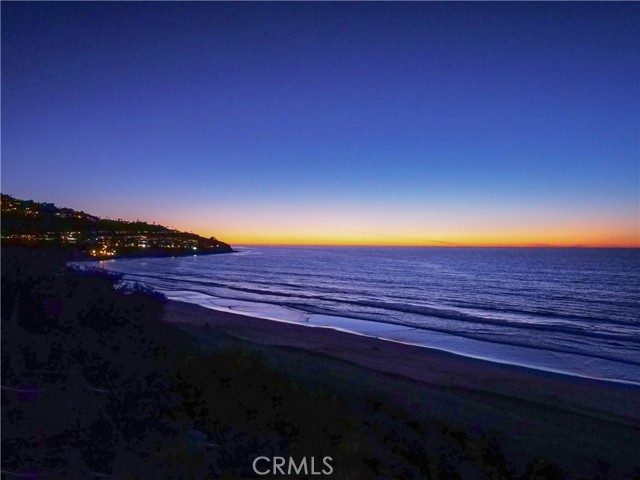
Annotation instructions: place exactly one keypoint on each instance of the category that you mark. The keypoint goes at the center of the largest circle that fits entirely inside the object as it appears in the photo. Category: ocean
(568, 310)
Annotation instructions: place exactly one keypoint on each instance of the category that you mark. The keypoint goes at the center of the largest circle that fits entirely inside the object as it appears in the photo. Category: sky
(331, 123)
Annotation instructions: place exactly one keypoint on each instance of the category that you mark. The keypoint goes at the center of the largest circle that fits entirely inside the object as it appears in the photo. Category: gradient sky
(347, 123)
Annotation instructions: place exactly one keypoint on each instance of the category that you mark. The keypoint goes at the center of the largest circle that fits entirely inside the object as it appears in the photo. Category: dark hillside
(29, 223)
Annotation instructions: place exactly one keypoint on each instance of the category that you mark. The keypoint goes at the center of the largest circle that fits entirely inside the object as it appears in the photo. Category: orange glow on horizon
(601, 239)
(479, 245)
(394, 226)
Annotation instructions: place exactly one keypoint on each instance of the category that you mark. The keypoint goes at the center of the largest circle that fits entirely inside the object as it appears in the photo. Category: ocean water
(575, 311)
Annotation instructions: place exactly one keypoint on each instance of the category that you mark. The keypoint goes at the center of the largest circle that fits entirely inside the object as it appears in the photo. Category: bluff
(29, 223)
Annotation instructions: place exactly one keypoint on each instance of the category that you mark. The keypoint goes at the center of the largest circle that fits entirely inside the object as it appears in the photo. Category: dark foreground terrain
(95, 384)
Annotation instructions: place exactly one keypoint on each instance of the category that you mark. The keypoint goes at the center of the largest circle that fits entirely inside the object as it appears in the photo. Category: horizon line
(430, 246)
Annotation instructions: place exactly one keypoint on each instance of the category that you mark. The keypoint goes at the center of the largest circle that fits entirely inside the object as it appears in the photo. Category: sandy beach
(578, 423)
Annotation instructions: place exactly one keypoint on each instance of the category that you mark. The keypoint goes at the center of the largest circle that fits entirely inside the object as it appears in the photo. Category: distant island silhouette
(29, 223)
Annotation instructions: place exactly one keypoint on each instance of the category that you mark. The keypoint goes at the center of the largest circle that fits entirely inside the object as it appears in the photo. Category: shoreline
(557, 362)
(582, 351)
(399, 358)
(572, 421)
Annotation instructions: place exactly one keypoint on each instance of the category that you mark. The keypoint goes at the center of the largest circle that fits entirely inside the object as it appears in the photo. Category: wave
(423, 311)
(456, 333)
(310, 309)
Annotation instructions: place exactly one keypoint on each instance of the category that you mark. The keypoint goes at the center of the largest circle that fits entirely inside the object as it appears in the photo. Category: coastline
(540, 413)
(561, 362)
(593, 338)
